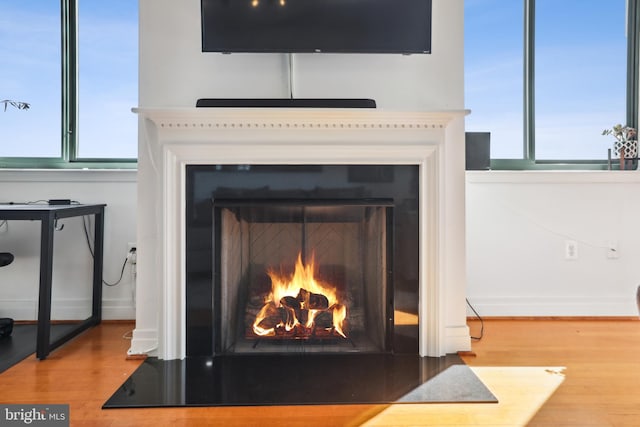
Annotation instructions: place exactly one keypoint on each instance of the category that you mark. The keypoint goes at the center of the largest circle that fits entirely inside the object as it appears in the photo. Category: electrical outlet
(132, 252)
(612, 249)
(570, 249)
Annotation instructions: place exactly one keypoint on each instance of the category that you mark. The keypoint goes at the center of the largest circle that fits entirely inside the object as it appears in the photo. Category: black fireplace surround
(294, 197)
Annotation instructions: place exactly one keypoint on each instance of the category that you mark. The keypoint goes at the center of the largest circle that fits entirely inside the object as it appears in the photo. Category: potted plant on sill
(625, 145)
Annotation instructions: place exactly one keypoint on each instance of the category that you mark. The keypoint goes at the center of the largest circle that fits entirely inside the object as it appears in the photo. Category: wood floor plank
(549, 372)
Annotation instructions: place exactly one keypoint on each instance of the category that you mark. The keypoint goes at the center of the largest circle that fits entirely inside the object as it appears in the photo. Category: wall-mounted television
(331, 26)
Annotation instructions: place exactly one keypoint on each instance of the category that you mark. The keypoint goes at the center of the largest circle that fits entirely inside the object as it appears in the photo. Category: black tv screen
(339, 26)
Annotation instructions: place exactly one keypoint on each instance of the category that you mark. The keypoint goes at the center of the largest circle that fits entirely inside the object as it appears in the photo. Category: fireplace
(301, 259)
(371, 202)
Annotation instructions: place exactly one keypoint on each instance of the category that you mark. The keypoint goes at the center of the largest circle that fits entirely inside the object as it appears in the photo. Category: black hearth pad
(253, 380)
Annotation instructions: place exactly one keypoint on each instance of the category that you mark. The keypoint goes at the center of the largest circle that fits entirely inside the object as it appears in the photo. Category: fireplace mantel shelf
(297, 118)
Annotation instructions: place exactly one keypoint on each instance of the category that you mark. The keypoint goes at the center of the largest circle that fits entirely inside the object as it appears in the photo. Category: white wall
(517, 225)
(72, 271)
(175, 73)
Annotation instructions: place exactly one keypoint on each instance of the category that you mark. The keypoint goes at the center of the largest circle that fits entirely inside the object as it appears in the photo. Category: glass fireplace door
(310, 275)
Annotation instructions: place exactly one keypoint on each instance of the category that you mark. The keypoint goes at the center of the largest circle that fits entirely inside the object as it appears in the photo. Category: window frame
(528, 161)
(68, 158)
(69, 142)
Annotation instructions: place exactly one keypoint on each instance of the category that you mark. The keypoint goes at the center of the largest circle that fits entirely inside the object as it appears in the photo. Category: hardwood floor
(544, 372)
(601, 384)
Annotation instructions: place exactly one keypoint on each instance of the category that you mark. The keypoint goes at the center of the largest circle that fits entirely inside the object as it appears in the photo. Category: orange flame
(299, 286)
(339, 314)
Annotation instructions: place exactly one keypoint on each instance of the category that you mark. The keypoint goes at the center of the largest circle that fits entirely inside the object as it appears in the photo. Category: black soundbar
(286, 103)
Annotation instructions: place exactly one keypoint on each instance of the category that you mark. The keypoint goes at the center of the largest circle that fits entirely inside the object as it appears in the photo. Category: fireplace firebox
(303, 275)
(289, 259)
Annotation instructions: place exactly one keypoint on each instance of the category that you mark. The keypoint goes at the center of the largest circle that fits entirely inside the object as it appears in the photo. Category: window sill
(552, 177)
(68, 175)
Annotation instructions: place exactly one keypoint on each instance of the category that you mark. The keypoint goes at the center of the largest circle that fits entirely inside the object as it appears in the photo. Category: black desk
(47, 215)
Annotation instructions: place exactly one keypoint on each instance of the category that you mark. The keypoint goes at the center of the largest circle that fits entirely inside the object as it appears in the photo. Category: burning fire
(300, 305)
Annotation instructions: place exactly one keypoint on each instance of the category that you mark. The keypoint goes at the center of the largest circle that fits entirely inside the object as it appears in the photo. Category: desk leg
(98, 239)
(44, 299)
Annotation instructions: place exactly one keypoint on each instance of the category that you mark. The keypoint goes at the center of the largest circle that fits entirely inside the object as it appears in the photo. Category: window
(493, 73)
(546, 77)
(30, 72)
(75, 63)
(107, 78)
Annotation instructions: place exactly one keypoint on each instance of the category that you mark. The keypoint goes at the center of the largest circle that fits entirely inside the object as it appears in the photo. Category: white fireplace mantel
(171, 139)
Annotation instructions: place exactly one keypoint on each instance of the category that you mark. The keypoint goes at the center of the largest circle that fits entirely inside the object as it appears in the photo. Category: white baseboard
(456, 338)
(118, 309)
(589, 306)
(144, 341)
(19, 309)
(67, 309)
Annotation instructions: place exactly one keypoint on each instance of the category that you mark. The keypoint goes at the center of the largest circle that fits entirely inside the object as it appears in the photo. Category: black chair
(6, 324)
(6, 258)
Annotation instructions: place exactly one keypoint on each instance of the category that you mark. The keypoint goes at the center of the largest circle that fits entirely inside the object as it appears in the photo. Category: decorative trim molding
(144, 341)
(539, 306)
(456, 338)
(118, 309)
(19, 309)
(68, 309)
(173, 139)
(284, 118)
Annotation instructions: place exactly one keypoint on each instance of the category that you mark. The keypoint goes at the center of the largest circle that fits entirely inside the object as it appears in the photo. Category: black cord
(33, 202)
(481, 321)
(290, 75)
(85, 218)
(85, 227)
(124, 264)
